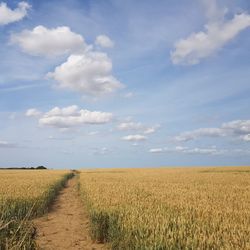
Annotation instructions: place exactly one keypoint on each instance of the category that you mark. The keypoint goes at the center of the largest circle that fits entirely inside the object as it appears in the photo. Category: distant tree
(41, 167)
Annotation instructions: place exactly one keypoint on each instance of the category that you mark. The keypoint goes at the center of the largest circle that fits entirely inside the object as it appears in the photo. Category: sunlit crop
(23, 195)
(198, 208)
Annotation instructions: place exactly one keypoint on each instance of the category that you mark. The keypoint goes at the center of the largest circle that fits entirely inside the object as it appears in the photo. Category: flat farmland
(177, 208)
(25, 194)
(157, 208)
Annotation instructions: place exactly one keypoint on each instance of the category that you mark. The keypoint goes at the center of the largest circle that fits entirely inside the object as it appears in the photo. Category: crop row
(169, 208)
(24, 195)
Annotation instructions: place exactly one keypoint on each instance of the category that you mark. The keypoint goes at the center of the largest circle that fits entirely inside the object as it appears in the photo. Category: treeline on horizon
(24, 168)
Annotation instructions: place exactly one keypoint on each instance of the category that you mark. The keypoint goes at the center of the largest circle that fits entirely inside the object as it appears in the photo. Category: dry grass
(198, 208)
(23, 195)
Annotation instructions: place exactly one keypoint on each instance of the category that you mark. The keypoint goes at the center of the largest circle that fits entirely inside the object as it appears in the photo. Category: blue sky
(124, 83)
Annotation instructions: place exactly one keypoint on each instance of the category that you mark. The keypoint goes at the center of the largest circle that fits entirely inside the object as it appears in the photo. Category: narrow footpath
(66, 226)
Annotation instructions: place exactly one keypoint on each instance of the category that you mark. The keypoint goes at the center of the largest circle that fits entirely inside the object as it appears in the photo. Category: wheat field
(161, 208)
(177, 208)
(25, 194)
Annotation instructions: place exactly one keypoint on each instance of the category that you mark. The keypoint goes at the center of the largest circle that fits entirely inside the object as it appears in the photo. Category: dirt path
(66, 225)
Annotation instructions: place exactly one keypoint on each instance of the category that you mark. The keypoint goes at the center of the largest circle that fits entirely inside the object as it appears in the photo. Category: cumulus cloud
(237, 128)
(104, 41)
(42, 41)
(218, 32)
(72, 116)
(134, 138)
(33, 113)
(8, 15)
(88, 73)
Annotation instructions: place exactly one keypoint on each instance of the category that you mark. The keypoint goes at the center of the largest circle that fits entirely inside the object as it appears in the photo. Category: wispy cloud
(20, 87)
(6, 144)
(186, 150)
(201, 132)
(218, 32)
(134, 138)
(237, 128)
(213, 151)
(137, 126)
(101, 151)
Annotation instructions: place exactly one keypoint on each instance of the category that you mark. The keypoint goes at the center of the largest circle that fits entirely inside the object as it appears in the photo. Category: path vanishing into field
(66, 226)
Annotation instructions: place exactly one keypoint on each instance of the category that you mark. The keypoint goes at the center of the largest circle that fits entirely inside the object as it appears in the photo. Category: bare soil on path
(66, 226)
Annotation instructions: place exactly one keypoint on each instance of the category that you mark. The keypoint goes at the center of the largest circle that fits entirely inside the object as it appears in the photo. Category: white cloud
(51, 137)
(185, 150)
(218, 32)
(42, 41)
(237, 128)
(134, 138)
(8, 15)
(137, 126)
(202, 132)
(125, 126)
(5, 144)
(156, 150)
(246, 137)
(88, 73)
(104, 41)
(200, 151)
(151, 130)
(179, 148)
(33, 112)
(72, 116)
(212, 151)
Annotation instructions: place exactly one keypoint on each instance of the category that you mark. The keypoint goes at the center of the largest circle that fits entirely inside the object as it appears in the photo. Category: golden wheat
(23, 195)
(198, 208)
(27, 183)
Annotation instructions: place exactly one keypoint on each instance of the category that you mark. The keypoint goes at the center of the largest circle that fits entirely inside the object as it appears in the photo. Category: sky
(92, 84)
